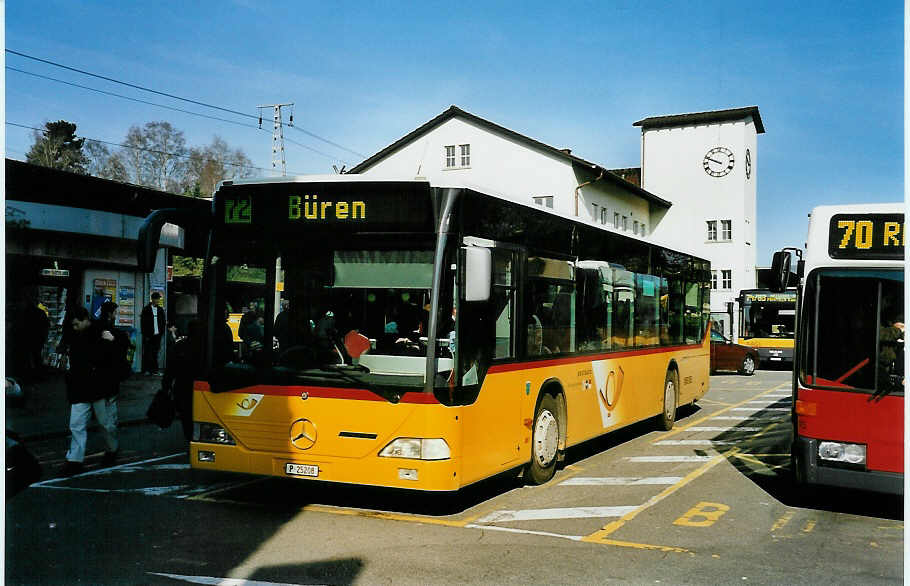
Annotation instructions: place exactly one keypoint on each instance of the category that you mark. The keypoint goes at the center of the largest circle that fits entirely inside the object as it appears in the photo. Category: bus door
(487, 336)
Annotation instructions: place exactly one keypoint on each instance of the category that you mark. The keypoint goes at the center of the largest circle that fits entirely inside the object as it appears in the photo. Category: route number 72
(238, 210)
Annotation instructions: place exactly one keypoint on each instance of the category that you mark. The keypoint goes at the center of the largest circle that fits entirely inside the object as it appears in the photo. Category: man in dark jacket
(151, 322)
(93, 378)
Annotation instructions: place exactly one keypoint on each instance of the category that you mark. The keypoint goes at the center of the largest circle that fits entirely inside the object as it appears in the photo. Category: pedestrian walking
(151, 322)
(93, 378)
(182, 367)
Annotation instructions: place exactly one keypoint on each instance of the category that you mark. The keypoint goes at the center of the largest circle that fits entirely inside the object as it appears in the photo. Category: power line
(127, 146)
(85, 87)
(172, 96)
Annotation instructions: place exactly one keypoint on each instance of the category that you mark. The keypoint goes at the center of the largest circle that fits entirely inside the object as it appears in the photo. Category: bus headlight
(841, 452)
(417, 449)
(211, 433)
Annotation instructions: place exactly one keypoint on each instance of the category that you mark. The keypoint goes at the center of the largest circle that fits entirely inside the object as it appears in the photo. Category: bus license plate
(301, 470)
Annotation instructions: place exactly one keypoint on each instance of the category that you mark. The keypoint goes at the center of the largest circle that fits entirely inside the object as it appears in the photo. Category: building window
(465, 155)
(726, 229)
(625, 223)
(616, 220)
(635, 227)
(603, 216)
(726, 279)
(544, 200)
(450, 156)
(712, 230)
(714, 280)
(594, 207)
(644, 229)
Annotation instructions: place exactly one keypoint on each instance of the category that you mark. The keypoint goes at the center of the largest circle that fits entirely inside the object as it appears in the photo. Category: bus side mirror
(780, 271)
(149, 238)
(478, 273)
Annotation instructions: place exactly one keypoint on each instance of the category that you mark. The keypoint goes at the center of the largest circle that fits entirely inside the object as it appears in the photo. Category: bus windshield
(853, 331)
(360, 312)
(768, 315)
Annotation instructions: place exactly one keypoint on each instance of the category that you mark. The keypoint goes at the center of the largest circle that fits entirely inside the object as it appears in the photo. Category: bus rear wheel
(544, 441)
(668, 414)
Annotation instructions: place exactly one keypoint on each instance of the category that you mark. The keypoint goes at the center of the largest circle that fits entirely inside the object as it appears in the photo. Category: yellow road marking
(810, 525)
(599, 536)
(390, 516)
(780, 523)
(668, 548)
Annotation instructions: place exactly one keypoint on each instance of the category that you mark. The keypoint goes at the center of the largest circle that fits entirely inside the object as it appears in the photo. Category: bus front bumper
(441, 475)
(812, 470)
(775, 355)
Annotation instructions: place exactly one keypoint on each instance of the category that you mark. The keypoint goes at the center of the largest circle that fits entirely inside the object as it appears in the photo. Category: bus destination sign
(866, 236)
(325, 207)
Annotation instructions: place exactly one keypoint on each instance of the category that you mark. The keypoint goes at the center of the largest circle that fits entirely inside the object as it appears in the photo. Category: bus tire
(748, 366)
(668, 413)
(544, 441)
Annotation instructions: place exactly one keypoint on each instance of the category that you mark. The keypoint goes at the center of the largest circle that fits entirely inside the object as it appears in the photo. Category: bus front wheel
(668, 414)
(544, 441)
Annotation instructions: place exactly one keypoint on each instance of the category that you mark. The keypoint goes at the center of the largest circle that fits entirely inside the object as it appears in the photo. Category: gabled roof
(455, 111)
(703, 118)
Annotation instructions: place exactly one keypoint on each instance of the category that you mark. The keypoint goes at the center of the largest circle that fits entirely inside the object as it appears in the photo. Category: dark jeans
(150, 347)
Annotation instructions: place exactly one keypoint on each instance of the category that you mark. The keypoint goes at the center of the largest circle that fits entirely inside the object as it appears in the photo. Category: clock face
(718, 162)
(748, 164)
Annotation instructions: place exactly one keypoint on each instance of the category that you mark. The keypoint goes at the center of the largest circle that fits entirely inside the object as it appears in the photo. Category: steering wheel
(299, 356)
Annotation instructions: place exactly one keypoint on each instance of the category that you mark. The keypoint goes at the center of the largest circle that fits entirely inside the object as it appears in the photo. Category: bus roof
(856, 235)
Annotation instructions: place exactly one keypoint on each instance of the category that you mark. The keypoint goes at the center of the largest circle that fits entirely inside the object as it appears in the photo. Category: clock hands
(714, 160)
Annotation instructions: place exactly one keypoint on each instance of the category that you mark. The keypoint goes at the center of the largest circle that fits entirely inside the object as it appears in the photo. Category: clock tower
(705, 163)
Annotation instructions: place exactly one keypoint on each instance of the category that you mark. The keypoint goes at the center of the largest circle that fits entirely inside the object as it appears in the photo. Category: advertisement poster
(126, 306)
(102, 290)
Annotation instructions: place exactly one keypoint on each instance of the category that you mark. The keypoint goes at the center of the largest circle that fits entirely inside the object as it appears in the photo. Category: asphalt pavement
(45, 412)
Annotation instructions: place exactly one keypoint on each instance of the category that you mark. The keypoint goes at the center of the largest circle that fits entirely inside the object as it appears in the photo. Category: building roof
(703, 118)
(37, 184)
(565, 154)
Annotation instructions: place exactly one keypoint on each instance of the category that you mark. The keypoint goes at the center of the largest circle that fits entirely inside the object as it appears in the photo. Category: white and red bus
(848, 382)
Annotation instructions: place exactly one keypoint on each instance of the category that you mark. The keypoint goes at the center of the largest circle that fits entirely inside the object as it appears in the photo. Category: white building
(459, 149)
(706, 164)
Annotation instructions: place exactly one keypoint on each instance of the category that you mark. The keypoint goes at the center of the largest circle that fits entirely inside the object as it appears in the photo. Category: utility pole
(278, 134)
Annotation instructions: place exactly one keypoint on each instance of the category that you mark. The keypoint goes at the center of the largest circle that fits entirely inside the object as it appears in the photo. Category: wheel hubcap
(749, 365)
(546, 438)
(670, 399)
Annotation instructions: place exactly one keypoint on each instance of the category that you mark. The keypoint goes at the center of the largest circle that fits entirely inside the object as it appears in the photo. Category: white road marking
(754, 410)
(213, 581)
(619, 481)
(560, 513)
(742, 418)
(103, 471)
(514, 530)
(669, 459)
(730, 428)
(692, 442)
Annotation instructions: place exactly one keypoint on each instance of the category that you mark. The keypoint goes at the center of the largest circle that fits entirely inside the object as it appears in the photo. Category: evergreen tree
(58, 147)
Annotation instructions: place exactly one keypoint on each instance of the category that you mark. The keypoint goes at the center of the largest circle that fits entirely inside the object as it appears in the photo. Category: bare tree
(154, 156)
(213, 163)
(102, 163)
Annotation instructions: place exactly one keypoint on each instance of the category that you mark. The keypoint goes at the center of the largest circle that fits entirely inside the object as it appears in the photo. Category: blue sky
(827, 78)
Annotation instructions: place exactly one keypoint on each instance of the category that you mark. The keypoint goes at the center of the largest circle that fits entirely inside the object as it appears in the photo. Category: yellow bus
(767, 322)
(428, 337)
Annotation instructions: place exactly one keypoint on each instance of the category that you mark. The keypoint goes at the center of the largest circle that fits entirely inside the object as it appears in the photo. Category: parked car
(725, 355)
